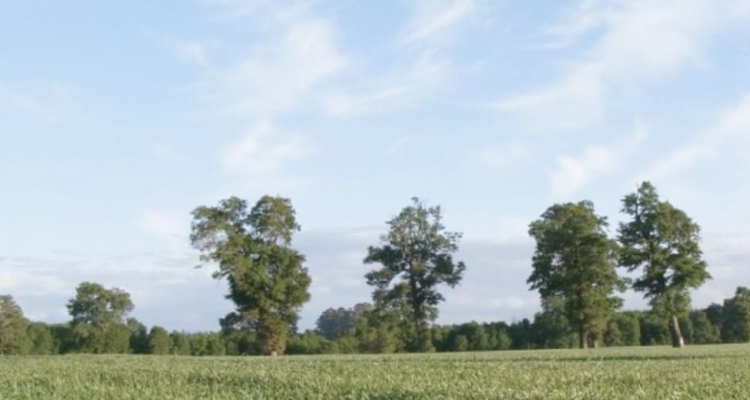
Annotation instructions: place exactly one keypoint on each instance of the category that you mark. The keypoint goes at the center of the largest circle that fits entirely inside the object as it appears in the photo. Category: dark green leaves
(419, 251)
(575, 261)
(267, 280)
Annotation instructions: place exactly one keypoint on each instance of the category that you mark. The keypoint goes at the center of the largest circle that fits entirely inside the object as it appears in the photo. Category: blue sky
(117, 119)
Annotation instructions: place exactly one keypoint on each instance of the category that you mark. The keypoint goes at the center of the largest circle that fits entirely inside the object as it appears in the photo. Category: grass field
(698, 372)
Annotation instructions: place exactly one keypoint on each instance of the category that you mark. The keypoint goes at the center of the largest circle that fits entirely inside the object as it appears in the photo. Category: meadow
(697, 372)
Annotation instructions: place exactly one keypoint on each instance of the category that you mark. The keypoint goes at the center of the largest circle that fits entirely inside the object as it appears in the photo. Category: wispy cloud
(411, 83)
(263, 151)
(732, 126)
(188, 50)
(294, 51)
(642, 41)
(434, 19)
(50, 104)
(400, 89)
(397, 145)
(573, 173)
(505, 157)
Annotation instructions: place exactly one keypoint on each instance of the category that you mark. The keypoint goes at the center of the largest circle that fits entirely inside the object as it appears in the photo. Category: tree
(574, 259)
(662, 242)
(40, 338)
(159, 341)
(267, 281)
(180, 343)
(13, 325)
(551, 327)
(98, 324)
(736, 324)
(138, 336)
(99, 307)
(334, 323)
(704, 332)
(419, 251)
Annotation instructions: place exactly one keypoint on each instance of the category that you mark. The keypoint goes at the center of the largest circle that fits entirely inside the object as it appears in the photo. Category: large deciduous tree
(576, 260)
(419, 251)
(267, 280)
(662, 242)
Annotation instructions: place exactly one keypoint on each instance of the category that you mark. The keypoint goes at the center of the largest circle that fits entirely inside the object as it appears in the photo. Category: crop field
(698, 372)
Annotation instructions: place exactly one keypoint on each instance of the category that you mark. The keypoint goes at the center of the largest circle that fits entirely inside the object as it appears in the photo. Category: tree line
(357, 329)
(574, 269)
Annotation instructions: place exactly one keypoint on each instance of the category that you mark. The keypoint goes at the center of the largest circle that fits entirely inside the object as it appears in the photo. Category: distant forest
(574, 269)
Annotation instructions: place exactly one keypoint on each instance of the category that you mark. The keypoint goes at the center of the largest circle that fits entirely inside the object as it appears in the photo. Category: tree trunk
(583, 337)
(420, 328)
(419, 318)
(677, 340)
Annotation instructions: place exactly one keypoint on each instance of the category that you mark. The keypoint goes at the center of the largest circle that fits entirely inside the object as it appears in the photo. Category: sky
(117, 119)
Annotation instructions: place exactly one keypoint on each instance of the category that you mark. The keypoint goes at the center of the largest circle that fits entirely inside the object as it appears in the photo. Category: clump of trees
(574, 269)
(576, 260)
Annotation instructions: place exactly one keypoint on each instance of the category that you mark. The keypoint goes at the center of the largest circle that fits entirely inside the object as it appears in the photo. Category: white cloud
(732, 126)
(505, 157)
(407, 84)
(299, 54)
(263, 151)
(163, 224)
(573, 173)
(434, 18)
(399, 89)
(51, 104)
(397, 145)
(643, 41)
(188, 51)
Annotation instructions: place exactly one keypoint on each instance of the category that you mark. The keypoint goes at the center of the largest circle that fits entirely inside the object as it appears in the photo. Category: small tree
(267, 280)
(662, 242)
(159, 341)
(736, 326)
(419, 251)
(575, 260)
(99, 307)
(334, 323)
(99, 314)
(13, 325)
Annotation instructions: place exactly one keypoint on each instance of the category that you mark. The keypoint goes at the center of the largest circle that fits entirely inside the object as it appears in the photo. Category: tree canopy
(575, 260)
(13, 325)
(267, 280)
(662, 242)
(419, 251)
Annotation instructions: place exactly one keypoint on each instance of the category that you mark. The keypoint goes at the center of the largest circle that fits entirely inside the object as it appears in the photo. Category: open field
(698, 372)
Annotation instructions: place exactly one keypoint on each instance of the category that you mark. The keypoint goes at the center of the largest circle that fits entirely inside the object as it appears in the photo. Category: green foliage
(662, 242)
(138, 336)
(180, 343)
(334, 323)
(418, 250)
(159, 341)
(99, 307)
(267, 281)
(704, 332)
(40, 338)
(551, 327)
(575, 260)
(13, 325)
(736, 317)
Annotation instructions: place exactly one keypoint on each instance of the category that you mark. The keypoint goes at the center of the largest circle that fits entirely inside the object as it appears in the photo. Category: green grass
(697, 372)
